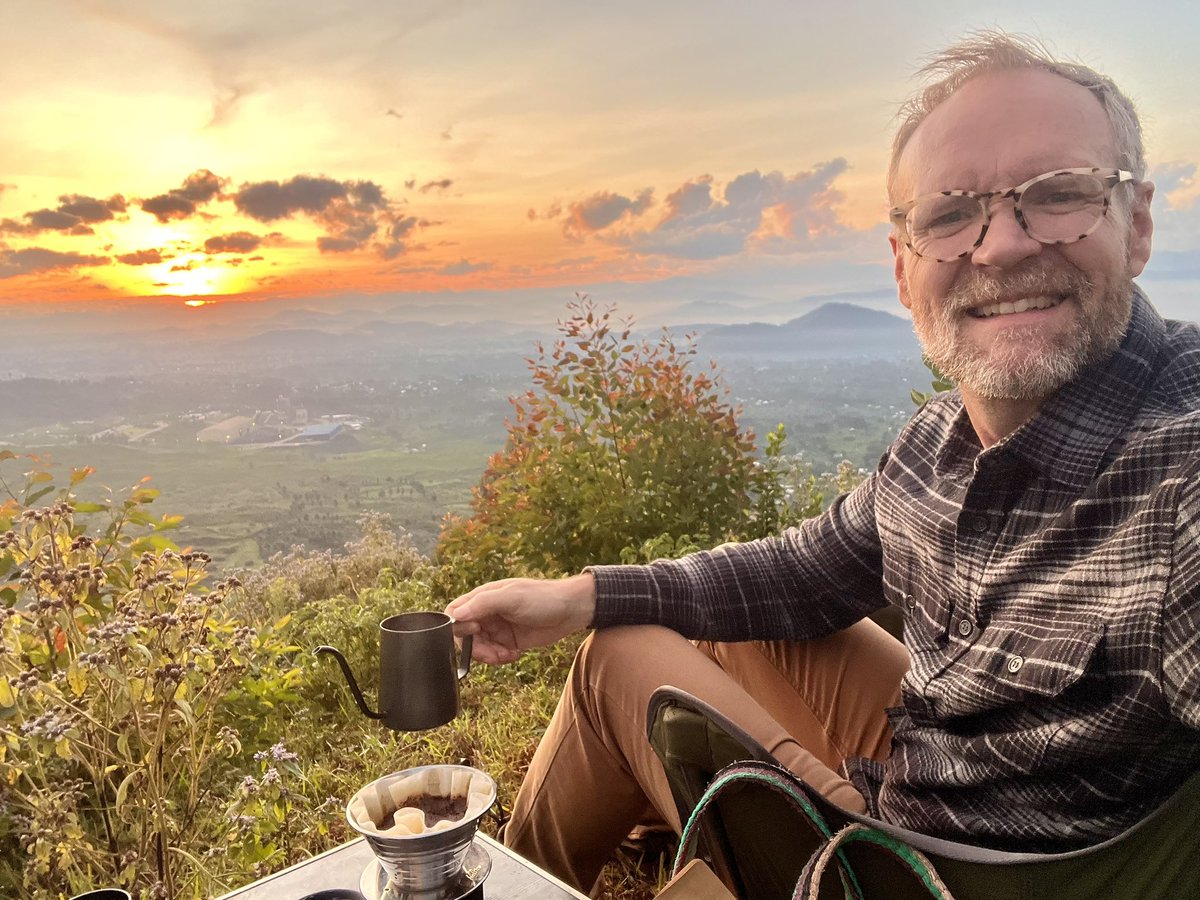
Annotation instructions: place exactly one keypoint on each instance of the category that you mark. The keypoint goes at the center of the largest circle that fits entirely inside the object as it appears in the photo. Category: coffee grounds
(437, 808)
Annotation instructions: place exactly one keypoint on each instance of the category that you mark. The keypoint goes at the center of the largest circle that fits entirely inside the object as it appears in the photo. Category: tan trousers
(594, 775)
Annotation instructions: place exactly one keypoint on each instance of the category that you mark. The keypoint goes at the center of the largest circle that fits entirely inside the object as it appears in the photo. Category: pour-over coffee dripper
(424, 862)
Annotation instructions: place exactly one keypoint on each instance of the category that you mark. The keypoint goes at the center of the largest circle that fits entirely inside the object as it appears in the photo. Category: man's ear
(1141, 228)
(901, 275)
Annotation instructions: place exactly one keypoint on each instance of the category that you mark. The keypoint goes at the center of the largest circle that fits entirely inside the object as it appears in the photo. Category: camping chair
(759, 843)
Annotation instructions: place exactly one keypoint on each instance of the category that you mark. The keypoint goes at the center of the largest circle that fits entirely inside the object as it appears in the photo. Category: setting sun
(190, 278)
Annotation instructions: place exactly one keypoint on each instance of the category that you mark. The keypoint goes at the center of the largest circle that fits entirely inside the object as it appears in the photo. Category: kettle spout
(358, 697)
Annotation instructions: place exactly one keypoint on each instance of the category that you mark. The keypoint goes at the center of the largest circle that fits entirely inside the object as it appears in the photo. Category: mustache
(980, 289)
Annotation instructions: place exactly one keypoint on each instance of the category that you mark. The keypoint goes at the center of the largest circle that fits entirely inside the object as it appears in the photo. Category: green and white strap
(781, 782)
(809, 885)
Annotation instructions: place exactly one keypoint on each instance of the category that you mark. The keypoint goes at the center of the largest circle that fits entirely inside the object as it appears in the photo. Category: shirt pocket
(1028, 665)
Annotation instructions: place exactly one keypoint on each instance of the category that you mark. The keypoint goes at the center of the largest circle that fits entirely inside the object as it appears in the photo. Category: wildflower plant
(115, 660)
(263, 821)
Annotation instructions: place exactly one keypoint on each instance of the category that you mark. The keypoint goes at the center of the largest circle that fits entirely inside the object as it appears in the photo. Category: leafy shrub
(619, 442)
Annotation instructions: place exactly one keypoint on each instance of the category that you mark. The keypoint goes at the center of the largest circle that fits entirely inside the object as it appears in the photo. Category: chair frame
(1155, 858)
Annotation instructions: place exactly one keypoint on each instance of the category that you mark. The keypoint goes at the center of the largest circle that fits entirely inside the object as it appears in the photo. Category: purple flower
(279, 753)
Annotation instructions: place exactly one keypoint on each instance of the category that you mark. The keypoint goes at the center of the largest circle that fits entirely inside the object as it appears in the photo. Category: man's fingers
(493, 653)
(455, 607)
(463, 628)
(465, 613)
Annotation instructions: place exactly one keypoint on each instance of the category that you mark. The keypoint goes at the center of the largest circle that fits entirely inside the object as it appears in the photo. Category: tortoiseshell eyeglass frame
(1109, 178)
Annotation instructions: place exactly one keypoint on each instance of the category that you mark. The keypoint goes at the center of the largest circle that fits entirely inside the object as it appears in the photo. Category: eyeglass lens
(1060, 209)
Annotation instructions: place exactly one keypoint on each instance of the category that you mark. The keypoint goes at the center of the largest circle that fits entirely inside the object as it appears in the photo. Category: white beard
(1023, 363)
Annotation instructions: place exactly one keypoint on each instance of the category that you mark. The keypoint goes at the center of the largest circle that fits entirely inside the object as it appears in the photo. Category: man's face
(999, 130)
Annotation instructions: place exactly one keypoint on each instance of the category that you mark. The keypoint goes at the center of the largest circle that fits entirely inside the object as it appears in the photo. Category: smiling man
(1049, 284)
(1039, 527)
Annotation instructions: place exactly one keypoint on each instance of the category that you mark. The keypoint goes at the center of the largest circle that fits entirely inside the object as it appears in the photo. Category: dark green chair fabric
(758, 844)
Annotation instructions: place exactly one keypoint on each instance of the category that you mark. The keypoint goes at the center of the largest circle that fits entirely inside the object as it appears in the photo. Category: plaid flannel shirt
(1050, 587)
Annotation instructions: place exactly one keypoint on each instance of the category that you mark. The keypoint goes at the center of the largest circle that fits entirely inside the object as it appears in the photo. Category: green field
(242, 505)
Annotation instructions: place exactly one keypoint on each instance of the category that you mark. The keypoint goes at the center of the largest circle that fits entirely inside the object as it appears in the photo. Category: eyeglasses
(1060, 207)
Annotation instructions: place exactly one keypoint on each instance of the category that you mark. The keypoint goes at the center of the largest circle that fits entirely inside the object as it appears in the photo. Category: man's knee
(619, 648)
(631, 662)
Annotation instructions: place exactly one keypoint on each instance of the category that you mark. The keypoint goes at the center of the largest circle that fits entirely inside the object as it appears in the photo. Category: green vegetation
(244, 506)
(179, 738)
(604, 454)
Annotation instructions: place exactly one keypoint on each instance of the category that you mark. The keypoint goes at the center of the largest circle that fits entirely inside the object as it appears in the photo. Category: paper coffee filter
(382, 807)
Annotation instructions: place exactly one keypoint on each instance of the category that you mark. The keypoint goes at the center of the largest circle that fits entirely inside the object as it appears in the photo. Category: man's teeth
(1004, 309)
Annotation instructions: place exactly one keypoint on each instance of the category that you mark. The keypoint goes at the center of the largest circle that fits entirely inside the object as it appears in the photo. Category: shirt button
(965, 627)
(1015, 663)
(911, 602)
(980, 524)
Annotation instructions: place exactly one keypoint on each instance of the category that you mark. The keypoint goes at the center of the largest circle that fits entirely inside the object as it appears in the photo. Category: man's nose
(1006, 242)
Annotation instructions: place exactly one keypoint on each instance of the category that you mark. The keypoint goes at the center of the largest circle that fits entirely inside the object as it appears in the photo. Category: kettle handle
(358, 697)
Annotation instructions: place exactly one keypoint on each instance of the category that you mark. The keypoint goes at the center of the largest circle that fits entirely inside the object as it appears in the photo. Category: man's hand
(512, 615)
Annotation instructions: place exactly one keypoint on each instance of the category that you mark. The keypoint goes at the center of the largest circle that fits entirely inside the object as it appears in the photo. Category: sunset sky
(155, 148)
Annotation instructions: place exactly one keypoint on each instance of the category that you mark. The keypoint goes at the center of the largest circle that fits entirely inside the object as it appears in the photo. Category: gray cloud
(354, 216)
(39, 259)
(690, 199)
(553, 211)
(465, 267)
(367, 195)
(72, 216)
(399, 230)
(237, 242)
(603, 209)
(401, 227)
(141, 258)
(50, 220)
(337, 245)
(267, 201)
(166, 207)
(439, 185)
(90, 209)
(199, 188)
(353, 213)
(701, 223)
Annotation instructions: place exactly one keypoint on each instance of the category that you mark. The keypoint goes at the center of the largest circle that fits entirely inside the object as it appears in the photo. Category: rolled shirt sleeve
(809, 581)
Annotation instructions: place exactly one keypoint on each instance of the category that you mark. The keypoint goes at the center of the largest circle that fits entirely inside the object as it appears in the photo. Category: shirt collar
(1068, 439)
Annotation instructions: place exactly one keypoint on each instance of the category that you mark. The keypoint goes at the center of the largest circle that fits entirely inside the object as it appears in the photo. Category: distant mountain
(831, 331)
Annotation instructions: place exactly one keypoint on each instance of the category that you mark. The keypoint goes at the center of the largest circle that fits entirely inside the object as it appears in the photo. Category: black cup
(418, 671)
(104, 894)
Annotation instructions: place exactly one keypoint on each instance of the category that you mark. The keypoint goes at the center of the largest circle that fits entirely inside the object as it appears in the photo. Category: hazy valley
(287, 433)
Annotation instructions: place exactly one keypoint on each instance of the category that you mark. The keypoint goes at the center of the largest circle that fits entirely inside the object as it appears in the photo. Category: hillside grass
(504, 709)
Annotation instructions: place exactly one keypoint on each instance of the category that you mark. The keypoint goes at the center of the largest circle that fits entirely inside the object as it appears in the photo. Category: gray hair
(994, 50)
